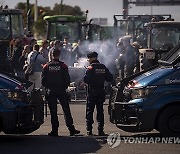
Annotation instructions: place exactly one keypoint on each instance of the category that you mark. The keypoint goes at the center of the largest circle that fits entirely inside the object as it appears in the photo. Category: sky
(104, 8)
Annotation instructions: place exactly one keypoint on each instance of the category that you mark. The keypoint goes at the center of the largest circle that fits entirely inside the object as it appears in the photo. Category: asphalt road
(39, 143)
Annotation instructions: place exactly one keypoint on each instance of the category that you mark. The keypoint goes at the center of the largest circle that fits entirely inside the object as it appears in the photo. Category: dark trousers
(52, 103)
(95, 98)
(129, 70)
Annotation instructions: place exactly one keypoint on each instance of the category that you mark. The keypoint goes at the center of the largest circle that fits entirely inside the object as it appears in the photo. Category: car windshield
(172, 56)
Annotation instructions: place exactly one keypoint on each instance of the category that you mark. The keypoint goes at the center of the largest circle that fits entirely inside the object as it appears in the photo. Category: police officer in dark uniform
(55, 78)
(95, 76)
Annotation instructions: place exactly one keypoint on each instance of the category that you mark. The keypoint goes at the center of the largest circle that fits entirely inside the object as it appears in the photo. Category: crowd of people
(51, 72)
(24, 53)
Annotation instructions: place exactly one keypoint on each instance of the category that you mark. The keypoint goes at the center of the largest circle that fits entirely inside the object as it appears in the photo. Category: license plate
(150, 55)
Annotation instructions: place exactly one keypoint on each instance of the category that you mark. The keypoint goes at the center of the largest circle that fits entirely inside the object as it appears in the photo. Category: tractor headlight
(142, 92)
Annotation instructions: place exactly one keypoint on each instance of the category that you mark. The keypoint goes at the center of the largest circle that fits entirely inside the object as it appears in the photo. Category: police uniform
(95, 76)
(56, 79)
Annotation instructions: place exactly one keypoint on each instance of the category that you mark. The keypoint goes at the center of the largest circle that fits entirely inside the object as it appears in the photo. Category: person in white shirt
(39, 62)
(44, 50)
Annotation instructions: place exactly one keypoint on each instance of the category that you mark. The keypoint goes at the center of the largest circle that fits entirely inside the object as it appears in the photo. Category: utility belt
(56, 87)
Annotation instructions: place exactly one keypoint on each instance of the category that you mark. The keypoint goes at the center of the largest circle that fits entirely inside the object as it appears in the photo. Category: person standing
(32, 42)
(17, 51)
(56, 78)
(129, 56)
(137, 46)
(57, 46)
(44, 50)
(37, 69)
(120, 61)
(67, 49)
(95, 77)
(23, 57)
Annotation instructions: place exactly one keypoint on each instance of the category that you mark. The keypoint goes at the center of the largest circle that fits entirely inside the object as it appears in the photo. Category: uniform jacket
(96, 74)
(55, 75)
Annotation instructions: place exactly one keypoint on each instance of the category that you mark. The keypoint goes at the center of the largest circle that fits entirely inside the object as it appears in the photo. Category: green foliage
(21, 6)
(67, 10)
(39, 27)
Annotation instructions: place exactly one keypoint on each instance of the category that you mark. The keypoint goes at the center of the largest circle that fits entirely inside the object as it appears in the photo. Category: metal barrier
(77, 93)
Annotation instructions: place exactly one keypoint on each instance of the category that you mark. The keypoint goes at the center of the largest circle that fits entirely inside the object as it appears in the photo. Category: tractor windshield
(60, 30)
(11, 24)
(4, 26)
(165, 38)
(17, 25)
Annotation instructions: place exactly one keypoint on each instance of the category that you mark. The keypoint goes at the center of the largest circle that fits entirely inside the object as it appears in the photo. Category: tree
(67, 10)
(39, 27)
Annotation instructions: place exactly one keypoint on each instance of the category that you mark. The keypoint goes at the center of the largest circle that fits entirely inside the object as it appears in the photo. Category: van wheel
(169, 121)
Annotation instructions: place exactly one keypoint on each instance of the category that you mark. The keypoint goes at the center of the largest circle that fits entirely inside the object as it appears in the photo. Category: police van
(21, 110)
(150, 99)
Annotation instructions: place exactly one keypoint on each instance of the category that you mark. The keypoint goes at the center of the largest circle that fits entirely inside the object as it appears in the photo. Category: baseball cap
(92, 54)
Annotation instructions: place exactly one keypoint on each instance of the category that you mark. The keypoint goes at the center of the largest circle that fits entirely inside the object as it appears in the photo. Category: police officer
(56, 79)
(95, 76)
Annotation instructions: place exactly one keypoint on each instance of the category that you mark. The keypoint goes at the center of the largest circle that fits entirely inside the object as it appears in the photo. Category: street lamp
(35, 11)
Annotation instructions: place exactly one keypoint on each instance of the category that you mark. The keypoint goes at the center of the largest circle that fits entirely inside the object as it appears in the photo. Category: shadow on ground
(41, 144)
(32, 144)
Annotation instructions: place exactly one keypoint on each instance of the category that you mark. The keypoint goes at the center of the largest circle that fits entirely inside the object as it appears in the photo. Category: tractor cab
(11, 27)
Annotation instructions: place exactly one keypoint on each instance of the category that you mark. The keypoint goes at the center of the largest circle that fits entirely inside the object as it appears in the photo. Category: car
(21, 110)
(150, 99)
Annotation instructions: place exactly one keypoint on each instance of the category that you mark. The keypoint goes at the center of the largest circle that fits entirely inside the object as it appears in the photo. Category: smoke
(107, 53)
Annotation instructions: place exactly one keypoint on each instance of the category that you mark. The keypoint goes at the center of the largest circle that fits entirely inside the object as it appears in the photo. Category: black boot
(74, 132)
(89, 129)
(53, 133)
(89, 133)
(101, 133)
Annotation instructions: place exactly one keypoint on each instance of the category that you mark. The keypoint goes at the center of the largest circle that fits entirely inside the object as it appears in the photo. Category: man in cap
(56, 45)
(129, 56)
(137, 46)
(95, 76)
(56, 79)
